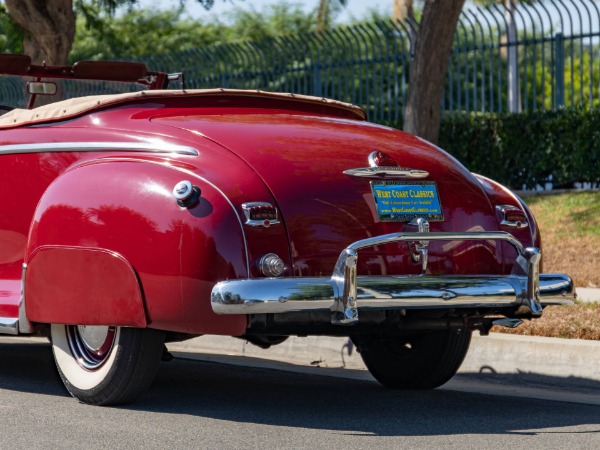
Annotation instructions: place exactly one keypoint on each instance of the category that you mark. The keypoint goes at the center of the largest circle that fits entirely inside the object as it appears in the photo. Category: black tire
(106, 365)
(419, 361)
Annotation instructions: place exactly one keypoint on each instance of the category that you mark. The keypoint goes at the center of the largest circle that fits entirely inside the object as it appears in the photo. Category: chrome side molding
(151, 146)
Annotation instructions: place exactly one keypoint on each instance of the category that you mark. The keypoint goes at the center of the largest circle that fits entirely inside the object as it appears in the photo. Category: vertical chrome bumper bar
(345, 307)
(531, 302)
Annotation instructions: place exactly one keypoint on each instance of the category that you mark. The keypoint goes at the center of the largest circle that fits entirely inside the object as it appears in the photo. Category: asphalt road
(195, 404)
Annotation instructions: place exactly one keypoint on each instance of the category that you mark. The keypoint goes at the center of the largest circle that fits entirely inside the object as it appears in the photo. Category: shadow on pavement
(349, 407)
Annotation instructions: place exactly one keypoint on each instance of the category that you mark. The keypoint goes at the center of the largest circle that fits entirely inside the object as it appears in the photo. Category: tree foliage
(11, 34)
(141, 32)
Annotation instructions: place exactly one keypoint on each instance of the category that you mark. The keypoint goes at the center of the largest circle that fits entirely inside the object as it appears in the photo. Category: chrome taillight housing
(510, 216)
(260, 214)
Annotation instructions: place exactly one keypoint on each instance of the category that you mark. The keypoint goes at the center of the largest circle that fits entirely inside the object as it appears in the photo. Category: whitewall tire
(103, 365)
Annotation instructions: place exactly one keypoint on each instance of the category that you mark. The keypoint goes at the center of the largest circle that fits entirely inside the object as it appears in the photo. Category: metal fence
(541, 56)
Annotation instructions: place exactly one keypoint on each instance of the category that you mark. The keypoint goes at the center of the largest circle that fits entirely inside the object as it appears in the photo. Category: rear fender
(76, 285)
(501, 195)
(110, 245)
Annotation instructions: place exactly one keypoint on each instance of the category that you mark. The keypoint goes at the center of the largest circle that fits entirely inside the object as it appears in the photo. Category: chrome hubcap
(90, 345)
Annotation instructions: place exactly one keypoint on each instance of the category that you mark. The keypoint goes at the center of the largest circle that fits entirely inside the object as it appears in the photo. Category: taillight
(380, 159)
(511, 217)
(260, 214)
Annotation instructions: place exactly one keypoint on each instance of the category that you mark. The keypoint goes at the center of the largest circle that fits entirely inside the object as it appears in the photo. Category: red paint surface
(82, 286)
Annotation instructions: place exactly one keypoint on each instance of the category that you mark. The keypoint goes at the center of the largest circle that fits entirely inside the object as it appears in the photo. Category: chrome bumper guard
(344, 294)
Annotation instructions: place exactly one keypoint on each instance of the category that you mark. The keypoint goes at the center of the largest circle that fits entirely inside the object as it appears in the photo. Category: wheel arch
(116, 221)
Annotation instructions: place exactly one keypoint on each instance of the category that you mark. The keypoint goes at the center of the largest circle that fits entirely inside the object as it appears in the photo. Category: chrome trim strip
(9, 325)
(282, 295)
(386, 172)
(24, 324)
(154, 147)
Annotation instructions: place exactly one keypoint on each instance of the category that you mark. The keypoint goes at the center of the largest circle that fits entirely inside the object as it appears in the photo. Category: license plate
(402, 202)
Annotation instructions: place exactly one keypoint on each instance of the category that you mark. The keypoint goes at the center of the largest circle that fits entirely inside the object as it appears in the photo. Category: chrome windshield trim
(282, 295)
(9, 325)
(153, 147)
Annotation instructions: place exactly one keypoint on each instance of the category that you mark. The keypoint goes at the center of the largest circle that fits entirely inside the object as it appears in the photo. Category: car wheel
(419, 361)
(103, 365)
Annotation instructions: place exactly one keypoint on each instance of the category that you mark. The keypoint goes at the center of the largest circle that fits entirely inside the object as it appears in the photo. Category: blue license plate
(402, 202)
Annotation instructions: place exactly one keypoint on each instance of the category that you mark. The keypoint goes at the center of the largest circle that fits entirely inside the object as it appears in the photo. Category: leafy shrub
(523, 150)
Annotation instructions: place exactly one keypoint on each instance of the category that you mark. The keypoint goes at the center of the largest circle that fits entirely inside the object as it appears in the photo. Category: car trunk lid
(302, 159)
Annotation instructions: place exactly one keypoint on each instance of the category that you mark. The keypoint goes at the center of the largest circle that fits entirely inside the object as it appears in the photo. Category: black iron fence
(542, 56)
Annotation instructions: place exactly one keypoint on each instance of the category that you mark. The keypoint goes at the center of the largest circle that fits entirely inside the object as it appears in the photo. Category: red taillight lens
(380, 159)
(511, 216)
(260, 214)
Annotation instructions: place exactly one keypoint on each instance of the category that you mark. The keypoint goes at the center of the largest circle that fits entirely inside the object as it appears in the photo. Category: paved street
(195, 404)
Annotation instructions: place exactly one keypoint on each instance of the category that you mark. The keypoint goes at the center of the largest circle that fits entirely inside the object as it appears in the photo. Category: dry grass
(570, 228)
(578, 321)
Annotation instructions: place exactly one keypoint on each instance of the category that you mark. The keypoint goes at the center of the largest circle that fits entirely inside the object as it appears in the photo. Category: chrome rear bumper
(273, 295)
(345, 294)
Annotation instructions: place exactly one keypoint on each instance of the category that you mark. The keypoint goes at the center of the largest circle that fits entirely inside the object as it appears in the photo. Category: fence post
(317, 86)
(559, 70)
(514, 92)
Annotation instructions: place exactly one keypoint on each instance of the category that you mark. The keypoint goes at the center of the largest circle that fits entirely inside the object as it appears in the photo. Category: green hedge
(526, 149)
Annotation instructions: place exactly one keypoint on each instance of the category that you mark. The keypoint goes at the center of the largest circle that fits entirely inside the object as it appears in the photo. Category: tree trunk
(322, 15)
(49, 28)
(429, 66)
(402, 10)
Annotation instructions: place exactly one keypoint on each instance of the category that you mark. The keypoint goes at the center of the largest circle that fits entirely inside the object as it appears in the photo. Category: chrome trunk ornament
(387, 172)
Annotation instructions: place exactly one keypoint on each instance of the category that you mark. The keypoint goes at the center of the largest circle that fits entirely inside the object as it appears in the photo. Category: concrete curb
(588, 294)
(573, 359)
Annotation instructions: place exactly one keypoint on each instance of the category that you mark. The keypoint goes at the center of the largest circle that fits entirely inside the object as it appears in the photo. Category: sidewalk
(588, 294)
(497, 353)
(494, 354)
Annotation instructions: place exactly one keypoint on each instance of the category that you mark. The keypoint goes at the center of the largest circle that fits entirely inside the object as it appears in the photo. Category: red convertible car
(156, 215)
